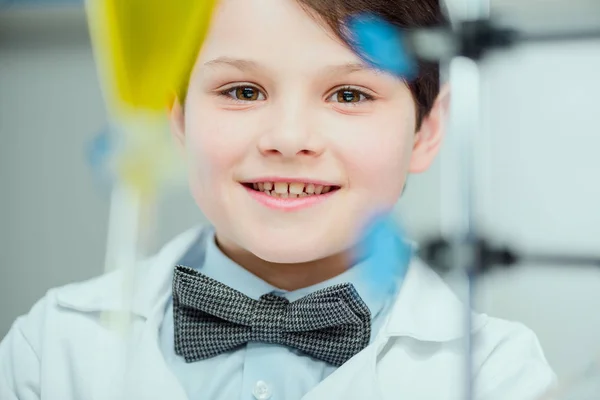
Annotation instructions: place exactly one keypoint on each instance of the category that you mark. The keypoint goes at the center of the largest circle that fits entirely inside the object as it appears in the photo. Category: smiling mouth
(290, 190)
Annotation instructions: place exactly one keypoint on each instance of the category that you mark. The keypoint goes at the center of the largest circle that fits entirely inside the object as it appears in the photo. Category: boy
(290, 140)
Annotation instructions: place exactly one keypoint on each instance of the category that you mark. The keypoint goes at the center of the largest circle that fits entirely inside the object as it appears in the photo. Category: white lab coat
(62, 351)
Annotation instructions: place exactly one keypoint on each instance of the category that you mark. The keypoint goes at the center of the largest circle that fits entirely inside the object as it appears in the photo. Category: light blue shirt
(257, 371)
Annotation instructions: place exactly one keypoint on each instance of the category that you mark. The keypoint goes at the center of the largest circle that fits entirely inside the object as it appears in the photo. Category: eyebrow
(250, 65)
(238, 63)
(348, 68)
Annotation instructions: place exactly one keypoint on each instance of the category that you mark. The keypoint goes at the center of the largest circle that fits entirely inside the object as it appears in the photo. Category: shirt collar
(218, 266)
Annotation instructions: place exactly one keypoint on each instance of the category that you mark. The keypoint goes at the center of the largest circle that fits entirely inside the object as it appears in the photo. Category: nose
(291, 133)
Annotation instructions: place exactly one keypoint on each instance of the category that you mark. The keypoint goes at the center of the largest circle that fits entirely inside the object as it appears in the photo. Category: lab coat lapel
(425, 310)
(147, 375)
(132, 366)
(356, 379)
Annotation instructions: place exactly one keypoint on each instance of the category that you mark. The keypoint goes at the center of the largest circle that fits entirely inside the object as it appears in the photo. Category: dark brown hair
(401, 13)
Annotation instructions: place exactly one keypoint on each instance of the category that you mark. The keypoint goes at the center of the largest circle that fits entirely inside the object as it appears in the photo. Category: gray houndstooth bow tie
(332, 324)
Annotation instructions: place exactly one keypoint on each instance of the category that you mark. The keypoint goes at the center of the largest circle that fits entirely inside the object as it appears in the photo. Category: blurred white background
(539, 153)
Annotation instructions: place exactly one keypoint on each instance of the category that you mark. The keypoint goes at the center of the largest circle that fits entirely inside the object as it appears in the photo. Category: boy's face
(276, 97)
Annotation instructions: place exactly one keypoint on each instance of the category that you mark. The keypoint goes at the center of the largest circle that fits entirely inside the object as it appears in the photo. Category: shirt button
(262, 391)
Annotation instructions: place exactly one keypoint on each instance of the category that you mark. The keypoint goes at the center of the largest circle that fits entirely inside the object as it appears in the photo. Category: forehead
(276, 32)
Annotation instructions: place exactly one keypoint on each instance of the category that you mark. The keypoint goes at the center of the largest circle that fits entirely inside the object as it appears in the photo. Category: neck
(287, 277)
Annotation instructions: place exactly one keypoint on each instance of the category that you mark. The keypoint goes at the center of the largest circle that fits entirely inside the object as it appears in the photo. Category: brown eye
(244, 93)
(247, 93)
(348, 96)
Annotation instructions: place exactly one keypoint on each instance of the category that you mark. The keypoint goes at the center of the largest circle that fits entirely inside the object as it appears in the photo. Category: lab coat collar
(425, 309)
(152, 282)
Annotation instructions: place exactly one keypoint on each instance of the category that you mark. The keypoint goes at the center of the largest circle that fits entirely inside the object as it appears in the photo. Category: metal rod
(557, 36)
(559, 260)
(465, 83)
(458, 189)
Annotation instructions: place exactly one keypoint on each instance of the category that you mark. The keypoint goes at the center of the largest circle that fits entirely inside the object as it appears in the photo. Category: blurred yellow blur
(145, 49)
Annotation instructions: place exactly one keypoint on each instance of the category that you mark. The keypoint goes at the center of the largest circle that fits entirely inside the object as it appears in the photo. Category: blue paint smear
(382, 45)
(388, 252)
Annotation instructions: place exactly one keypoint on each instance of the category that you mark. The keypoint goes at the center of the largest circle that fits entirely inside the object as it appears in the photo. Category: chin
(287, 254)
(292, 249)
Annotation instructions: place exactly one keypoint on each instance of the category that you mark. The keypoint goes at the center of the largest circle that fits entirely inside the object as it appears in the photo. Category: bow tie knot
(267, 319)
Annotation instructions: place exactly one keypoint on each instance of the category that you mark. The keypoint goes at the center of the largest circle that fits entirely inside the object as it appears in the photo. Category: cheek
(376, 153)
(211, 156)
(213, 144)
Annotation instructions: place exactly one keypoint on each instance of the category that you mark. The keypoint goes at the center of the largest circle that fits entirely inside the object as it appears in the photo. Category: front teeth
(281, 187)
(296, 188)
(291, 190)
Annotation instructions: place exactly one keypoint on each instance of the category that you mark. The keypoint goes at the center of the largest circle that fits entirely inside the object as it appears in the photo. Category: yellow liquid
(145, 49)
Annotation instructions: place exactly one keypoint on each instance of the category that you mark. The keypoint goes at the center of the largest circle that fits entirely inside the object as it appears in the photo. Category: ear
(177, 122)
(428, 139)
